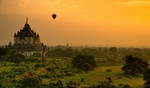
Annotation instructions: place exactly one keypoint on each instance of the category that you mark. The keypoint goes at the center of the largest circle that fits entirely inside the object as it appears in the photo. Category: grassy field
(13, 71)
(100, 73)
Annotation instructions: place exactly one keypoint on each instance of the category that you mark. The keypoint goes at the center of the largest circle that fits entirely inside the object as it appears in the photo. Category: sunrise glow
(79, 22)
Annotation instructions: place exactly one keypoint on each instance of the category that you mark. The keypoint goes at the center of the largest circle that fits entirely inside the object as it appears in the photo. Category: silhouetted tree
(134, 65)
(59, 84)
(3, 51)
(113, 49)
(16, 57)
(62, 52)
(147, 79)
(30, 82)
(84, 62)
(44, 49)
(113, 53)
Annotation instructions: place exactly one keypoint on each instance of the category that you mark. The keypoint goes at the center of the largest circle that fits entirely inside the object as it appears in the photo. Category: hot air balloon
(54, 16)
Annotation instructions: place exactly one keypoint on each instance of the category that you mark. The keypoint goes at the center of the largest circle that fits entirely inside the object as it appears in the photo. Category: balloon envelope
(54, 16)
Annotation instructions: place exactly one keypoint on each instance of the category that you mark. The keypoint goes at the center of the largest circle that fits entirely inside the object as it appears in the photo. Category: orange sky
(79, 22)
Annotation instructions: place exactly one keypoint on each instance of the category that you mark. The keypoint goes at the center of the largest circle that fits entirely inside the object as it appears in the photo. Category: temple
(27, 42)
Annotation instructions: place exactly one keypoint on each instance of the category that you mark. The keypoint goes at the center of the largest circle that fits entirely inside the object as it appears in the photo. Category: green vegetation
(66, 67)
(134, 65)
(30, 82)
(3, 51)
(84, 62)
(147, 79)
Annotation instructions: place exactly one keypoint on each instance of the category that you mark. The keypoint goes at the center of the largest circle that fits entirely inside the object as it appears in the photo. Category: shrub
(84, 62)
(30, 82)
(3, 51)
(19, 70)
(147, 79)
(59, 84)
(108, 70)
(126, 86)
(16, 58)
(36, 66)
(72, 84)
(105, 84)
(134, 65)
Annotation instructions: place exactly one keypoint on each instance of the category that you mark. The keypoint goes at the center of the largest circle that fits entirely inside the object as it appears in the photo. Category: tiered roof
(26, 32)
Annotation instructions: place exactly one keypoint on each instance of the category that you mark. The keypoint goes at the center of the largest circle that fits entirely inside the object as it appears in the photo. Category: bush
(16, 58)
(126, 86)
(3, 51)
(84, 62)
(30, 82)
(72, 84)
(108, 70)
(36, 66)
(134, 65)
(19, 70)
(105, 84)
(147, 79)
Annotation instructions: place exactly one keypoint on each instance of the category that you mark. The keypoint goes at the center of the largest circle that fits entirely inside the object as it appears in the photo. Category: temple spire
(26, 20)
(27, 26)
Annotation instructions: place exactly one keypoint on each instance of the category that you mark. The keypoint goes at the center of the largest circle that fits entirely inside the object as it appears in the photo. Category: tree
(134, 65)
(3, 51)
(113, 49)
(30, 82)
(147, 79)
(113, 53)
(84, 62)
(44, 49)
(16, 57)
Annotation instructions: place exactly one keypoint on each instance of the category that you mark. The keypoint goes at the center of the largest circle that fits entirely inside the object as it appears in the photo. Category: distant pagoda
(27, 41)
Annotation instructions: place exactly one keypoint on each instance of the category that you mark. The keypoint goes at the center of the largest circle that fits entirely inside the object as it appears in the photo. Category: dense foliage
(147, 79)
(30, 82)
(84, 62)
(134, 65)
(63, 66)
(62, 52)
(111, 53)
(16, 57)
(3, 51)
(106, 84)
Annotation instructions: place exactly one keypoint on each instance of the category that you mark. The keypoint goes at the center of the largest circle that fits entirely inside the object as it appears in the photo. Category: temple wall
(37, 41)
(28, 53)
(26, 40)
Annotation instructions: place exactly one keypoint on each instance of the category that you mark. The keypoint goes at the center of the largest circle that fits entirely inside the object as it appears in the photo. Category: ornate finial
(26, 20)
